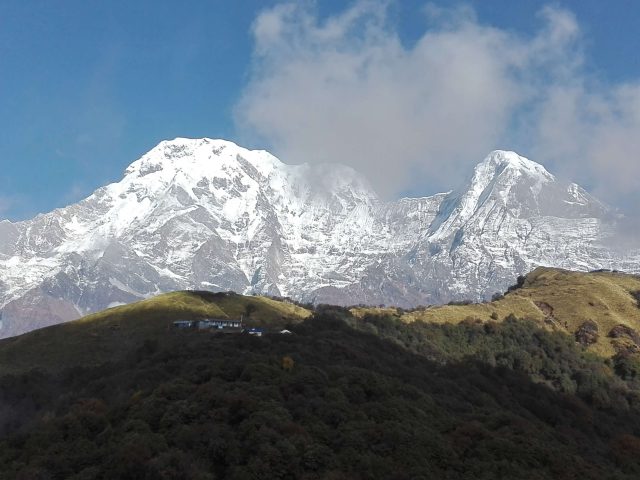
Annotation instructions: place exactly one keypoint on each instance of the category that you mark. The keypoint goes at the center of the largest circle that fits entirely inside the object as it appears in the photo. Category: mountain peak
(503, 178)
(198, 154)
(499, 160)
(502, 170)
(208, 214)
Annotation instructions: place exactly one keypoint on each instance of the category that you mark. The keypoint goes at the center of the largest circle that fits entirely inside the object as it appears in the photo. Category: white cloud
(346, 89)
(593, 136)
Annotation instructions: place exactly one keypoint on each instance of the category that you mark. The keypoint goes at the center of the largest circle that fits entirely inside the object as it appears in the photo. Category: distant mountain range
(209, 215)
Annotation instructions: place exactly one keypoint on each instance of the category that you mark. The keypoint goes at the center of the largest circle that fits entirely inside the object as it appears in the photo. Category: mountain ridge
(125, 394)
(209, 214)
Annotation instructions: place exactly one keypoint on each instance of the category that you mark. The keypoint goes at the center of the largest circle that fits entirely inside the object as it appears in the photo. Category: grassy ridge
(605, 298)
(99, 336)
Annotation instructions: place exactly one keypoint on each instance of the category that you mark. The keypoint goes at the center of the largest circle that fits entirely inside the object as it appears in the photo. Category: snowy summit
(209, 214)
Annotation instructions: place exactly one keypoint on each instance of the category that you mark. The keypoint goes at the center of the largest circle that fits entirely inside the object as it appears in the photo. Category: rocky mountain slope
(208, 214)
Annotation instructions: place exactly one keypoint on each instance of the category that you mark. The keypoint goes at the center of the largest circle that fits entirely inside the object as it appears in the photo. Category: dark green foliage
(519, 283)
(211, 296)
(460, 302)
(329, 313)
(358, 399)
(551, 358)
(307, 305)
(249, 309)
(627, 366)
(636, 295)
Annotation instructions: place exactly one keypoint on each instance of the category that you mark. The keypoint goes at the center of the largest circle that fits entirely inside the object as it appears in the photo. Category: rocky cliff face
(208, 214)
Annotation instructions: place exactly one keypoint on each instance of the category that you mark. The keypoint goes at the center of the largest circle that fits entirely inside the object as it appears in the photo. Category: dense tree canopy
(341, 398)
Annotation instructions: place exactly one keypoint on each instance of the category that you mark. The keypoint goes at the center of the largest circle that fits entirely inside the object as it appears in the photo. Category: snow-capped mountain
(208, 214)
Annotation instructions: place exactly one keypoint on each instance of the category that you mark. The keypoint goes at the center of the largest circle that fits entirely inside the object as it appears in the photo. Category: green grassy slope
(103, 335)
(605, 298)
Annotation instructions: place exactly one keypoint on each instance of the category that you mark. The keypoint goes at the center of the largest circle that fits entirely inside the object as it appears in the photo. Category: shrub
(636, 295)
(497, 296)
(587, 333)
(460, 302)
(519, 283)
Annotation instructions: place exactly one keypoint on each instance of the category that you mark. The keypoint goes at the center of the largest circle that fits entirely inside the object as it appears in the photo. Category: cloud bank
(415, 117)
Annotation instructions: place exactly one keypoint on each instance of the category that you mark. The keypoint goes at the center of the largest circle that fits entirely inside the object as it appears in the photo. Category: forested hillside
(340, 398)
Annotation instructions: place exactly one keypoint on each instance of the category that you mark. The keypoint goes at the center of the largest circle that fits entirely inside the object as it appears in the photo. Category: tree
(287, 363)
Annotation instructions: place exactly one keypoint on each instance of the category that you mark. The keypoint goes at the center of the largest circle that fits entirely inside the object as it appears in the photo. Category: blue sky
(86, 87)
